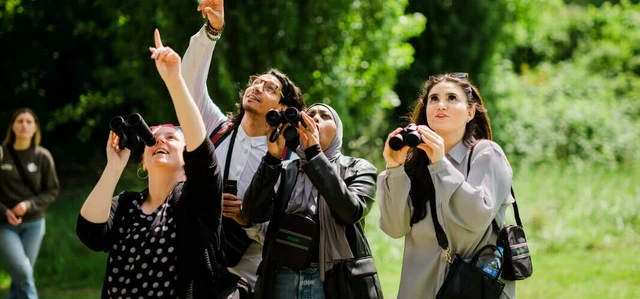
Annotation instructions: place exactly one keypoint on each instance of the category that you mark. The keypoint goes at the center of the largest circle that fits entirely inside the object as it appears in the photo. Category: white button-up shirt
(247, 151)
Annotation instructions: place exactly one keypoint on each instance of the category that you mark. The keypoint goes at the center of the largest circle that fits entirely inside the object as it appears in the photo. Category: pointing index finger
(156, 37)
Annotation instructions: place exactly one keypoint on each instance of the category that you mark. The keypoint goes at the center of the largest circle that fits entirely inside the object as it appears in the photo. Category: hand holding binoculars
(132, 131)
(408, 136)
(290, 115)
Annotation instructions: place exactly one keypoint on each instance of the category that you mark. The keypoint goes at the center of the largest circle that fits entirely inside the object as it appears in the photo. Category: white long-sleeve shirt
(465, 208)
(247, 151)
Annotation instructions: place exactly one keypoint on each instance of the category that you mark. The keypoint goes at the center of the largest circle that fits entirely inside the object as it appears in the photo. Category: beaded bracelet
(212, 33)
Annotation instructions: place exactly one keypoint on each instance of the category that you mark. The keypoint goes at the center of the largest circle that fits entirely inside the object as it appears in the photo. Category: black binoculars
(132, 131)
(408, 136)
(290, 115)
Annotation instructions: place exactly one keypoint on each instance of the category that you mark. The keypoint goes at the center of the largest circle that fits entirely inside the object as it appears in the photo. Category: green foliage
(343, 53)
(89, 60)
(568, 89)
(460, 37)
(79, 63)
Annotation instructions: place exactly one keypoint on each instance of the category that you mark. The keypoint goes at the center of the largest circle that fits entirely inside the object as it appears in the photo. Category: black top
(193, 211)
(39, 169)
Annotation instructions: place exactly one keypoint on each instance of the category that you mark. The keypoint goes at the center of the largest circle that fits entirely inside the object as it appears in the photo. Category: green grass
(610, 272)
(582, 225)
(597, 273)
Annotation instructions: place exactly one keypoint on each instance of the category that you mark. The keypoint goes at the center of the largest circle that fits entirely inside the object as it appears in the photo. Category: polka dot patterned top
(142, 263)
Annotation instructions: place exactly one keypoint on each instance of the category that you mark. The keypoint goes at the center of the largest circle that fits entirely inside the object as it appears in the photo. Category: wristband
(212, 33)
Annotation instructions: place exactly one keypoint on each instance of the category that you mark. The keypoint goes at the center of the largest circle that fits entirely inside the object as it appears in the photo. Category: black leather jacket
(349, 193)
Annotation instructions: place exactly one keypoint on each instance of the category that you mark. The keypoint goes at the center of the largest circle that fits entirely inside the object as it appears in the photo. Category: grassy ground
(583, 228)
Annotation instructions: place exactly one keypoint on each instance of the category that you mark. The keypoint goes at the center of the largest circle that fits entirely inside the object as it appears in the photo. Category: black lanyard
(229, 153)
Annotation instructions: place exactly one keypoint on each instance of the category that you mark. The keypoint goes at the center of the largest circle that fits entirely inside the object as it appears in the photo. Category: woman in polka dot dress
(163, 242)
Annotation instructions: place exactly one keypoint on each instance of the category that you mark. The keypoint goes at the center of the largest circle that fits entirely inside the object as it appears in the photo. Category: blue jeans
(299, 284)
(19, 248)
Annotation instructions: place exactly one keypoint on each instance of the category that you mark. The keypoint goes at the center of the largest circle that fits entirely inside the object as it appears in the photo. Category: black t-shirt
(143, 262)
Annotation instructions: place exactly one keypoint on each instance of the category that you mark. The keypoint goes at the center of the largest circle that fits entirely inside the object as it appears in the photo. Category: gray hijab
(305, 199)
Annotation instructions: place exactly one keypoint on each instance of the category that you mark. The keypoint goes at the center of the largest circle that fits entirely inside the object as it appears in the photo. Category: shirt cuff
(396, 171)
(438, 166)
(31, 205)
(88, 225)
(201, 36)
(271, 160)
(312, 151)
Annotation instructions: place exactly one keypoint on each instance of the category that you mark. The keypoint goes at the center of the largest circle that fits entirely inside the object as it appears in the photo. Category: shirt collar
(242, 135)
(255, 141)
(458, 152)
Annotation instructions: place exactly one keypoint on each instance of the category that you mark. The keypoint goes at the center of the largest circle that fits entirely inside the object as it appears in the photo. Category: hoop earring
(141, 177)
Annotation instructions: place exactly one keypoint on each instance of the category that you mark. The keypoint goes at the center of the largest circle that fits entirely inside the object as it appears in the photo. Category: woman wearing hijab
(316, 207)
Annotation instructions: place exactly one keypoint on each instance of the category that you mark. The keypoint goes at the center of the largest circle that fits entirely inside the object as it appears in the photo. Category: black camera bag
(296, 241)
(517, 258)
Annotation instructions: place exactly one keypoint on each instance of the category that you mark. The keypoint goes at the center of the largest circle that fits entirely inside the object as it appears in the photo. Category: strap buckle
(447, 255)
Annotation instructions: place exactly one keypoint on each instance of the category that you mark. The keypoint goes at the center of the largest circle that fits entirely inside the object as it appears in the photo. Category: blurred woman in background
(28, 185)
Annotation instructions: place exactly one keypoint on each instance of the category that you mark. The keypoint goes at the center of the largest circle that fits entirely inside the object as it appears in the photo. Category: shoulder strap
(227, 164)
(286, 153)
(218, 135)
(20, 168)
(1, 153)
(440, 235)
(221, 132)
(287, 183)
(516, 213)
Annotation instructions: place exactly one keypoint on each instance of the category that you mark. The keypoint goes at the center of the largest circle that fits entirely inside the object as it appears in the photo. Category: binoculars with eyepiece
(132, 131)
(408, 136)
(290, 115)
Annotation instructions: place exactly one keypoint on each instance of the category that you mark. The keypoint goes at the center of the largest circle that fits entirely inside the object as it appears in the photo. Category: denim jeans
(299, 284)
(19, 248)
